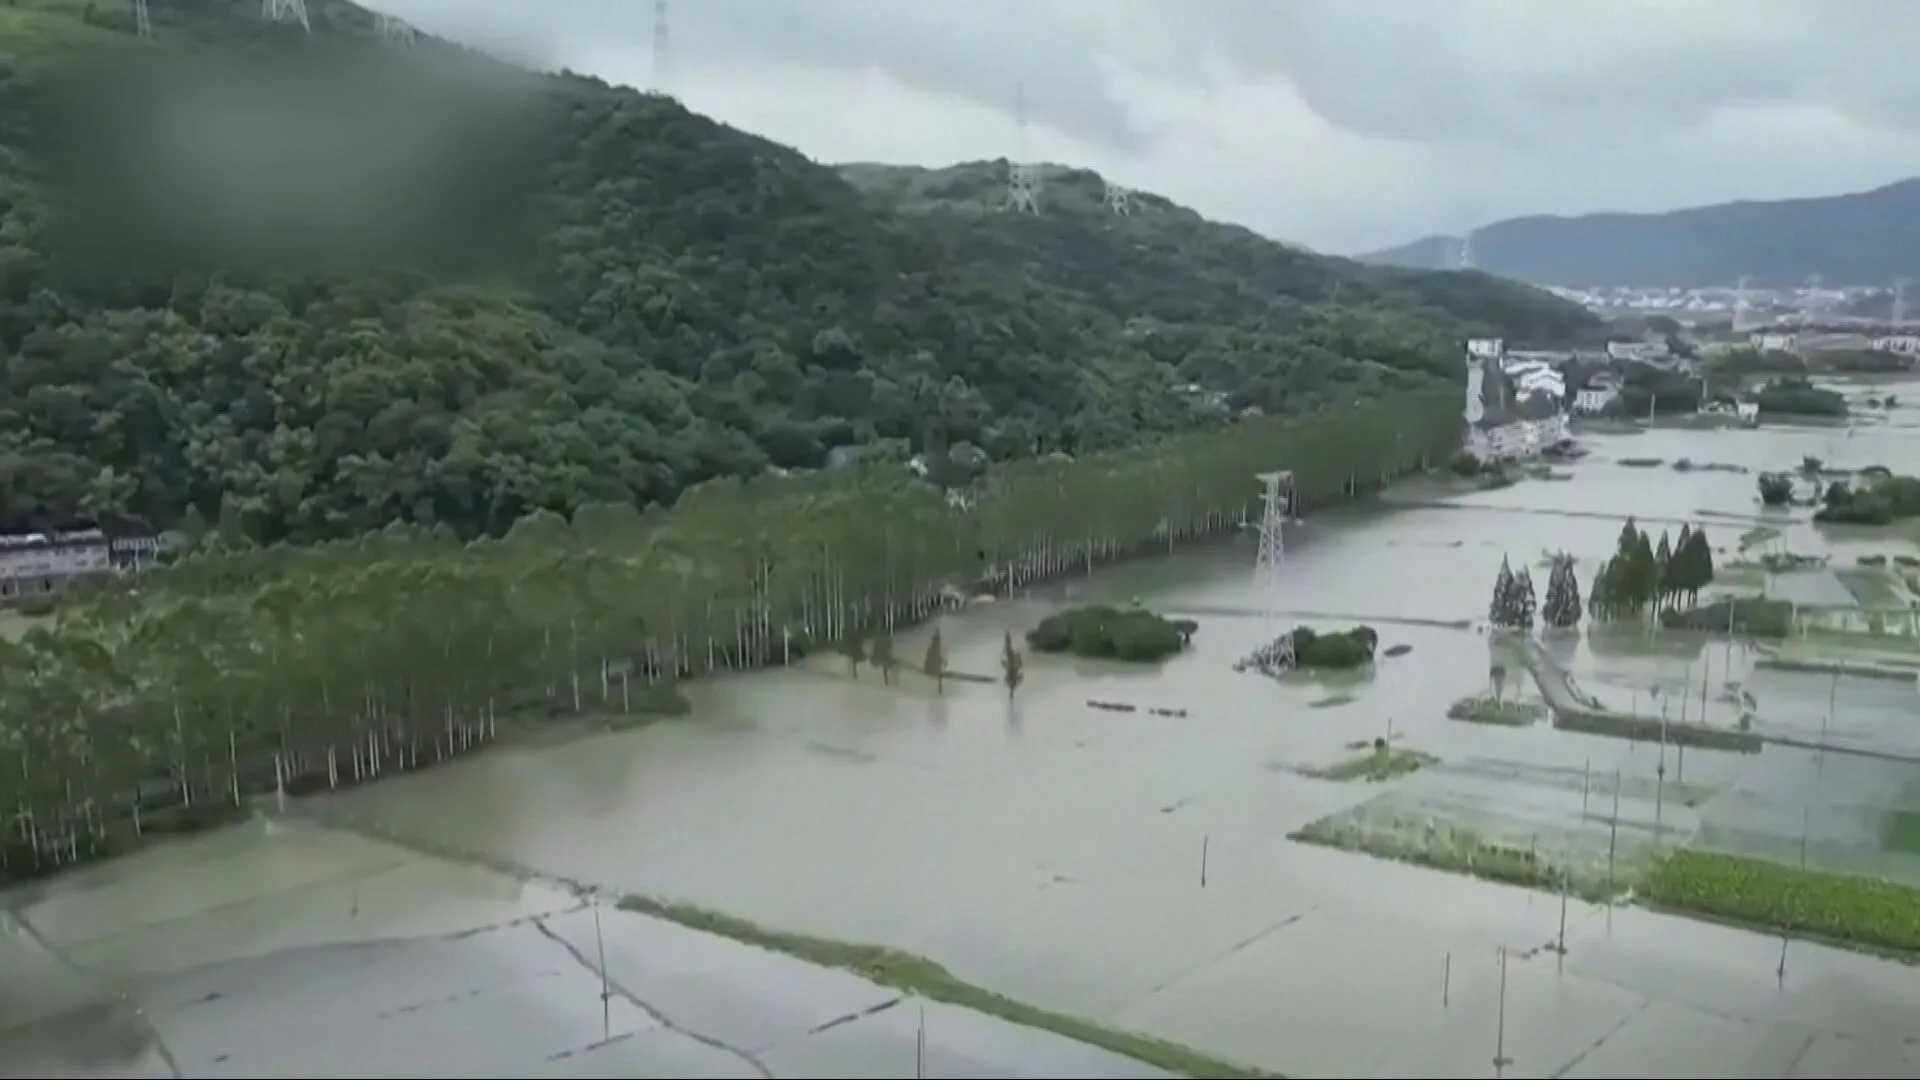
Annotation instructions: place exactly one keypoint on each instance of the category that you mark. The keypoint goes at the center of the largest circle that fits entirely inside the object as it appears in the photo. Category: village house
(1654, 353)
(1903, 344)
(1513, 410)
(40, 564)
(1598, 395)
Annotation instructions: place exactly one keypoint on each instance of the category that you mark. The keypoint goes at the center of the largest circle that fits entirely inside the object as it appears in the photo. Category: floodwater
(291, 950)
(1135, 869)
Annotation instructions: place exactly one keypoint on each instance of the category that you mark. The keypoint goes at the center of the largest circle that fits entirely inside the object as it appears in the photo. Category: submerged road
(385, 963)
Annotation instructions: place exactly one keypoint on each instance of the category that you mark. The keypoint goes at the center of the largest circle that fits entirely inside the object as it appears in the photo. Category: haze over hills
(317, 335)
(1863, 238)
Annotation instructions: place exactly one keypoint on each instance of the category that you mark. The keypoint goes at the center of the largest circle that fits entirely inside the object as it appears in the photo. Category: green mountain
(1864, 238)
(1274, 325)
(308, 284)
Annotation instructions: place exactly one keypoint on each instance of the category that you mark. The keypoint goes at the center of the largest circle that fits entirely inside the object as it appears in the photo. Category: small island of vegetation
(1100, 632)
(1875, 501)
(1795, 395)
(1336, 651)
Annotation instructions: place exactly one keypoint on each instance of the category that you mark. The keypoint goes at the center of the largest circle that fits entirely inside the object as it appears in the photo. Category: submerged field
(1137, 870)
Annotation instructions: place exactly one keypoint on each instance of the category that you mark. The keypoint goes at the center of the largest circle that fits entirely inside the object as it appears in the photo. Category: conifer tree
(1668, 572)
(1562, 609)
(1600, 599)
(1525, 603)
(935, 663)
(882, 655)
(1500, 607)
(1699, 563)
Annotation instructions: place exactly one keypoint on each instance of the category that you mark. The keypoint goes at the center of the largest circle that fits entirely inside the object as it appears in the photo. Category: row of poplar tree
(1640, 577)
(246, 669)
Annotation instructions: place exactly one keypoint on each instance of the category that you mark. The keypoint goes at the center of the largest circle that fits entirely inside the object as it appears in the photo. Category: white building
(1904, 344)
(35, 564)
(1592, 400)
(1640, 352)
(1773, 341)
(1512, 412)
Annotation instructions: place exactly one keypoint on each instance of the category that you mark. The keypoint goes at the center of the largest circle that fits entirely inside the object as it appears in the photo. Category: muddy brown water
(1055, 853)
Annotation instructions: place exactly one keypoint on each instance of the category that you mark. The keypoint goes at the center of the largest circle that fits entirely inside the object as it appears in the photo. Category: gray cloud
(1420, 70)
(1430, 113)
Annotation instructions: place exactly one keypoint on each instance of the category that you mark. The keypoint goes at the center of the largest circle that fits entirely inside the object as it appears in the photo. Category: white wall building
(1773, 341)
(1904, 344)
(38, 563)
(1499, 398)
(1593, 400)
(1641, 352)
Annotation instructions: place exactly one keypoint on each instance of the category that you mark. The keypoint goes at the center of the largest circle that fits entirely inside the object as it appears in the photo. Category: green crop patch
(1845, 909)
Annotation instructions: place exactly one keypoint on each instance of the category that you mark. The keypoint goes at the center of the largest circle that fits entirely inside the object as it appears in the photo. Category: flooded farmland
(1127, 867)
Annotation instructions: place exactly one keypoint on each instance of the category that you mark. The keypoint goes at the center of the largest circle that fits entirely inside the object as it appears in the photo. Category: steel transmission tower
(1276, 504)
(1740, 304)
(662, 54)
(1023, 178)
(1900, 303)
(287, 11)
(142, 19)
(396, 31)
(1466, 253)
(1119, 199)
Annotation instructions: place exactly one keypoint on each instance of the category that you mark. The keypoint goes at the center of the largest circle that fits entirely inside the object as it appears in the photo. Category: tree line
(242, 668)
(1642, 576)
(1639, 578)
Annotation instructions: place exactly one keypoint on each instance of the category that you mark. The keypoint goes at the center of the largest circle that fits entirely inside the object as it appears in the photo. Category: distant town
(1672, 363)
(1745, 307)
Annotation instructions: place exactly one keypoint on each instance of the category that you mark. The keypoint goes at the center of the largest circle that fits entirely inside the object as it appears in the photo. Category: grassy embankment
(923, 978)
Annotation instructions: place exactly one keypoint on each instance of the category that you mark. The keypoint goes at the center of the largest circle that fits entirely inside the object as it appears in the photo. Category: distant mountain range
(1866, 238)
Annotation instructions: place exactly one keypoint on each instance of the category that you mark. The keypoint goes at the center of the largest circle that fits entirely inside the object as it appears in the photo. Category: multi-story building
(1513, 411)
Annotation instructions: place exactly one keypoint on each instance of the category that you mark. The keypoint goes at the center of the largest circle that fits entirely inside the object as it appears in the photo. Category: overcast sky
(1343, 124)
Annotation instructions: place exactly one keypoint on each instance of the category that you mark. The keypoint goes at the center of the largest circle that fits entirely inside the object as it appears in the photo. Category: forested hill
(1220, 304)
(231, 339)
(1865, 238)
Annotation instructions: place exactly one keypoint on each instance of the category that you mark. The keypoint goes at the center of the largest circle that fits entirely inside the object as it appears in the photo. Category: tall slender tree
(935, 663)
(1500, 607)
(1013, 666)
